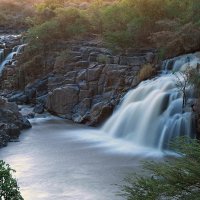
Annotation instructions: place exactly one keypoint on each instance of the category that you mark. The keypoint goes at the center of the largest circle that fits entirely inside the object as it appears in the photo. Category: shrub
(42, 37)
(146, 72)
(177, 178)
(72, 22)
(9, 189)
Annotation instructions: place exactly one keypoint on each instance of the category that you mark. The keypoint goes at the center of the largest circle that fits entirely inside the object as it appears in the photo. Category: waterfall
(9, 59)
(151, 114)
(1, 55)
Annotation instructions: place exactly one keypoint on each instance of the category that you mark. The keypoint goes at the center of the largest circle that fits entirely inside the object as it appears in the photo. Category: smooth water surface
(57, 160)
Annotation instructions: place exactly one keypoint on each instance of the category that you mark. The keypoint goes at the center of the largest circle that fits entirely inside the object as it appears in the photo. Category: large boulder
(62, 100)
(11, 121)
(99, 113)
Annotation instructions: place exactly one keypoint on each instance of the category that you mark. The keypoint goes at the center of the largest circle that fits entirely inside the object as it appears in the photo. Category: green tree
(177, 178)
(72, 22)
(9, 189)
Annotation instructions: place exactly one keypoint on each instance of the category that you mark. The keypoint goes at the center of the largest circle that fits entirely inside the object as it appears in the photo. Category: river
(59, 160)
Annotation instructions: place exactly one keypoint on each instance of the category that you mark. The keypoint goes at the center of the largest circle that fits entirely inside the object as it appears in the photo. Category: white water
(9, 59)
(151, 115)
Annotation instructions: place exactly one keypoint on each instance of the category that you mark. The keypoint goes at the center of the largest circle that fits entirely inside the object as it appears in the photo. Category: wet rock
(99, 113)
(39, 109)
(11, 121)
(19, 98)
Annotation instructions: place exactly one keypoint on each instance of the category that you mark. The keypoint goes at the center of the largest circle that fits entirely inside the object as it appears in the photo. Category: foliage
(42, 37)
(9, 190)
(146, 72)
(72, 22)
(12, 15)
(176, 178)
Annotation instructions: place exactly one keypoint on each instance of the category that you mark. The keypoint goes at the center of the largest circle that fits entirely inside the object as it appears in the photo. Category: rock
(135, 61)
(70, 86)
(30, 115)
(19, 98)
(83, 85)
(42, 100)
(80, 110)
(99, 113)
(82, 64)
(70, 77)
(39, 109)
(11, 121)
(82, 75)
(25, 123)
(62, 100)
(36, 89)
(84, 94)
(94, 72)
(13, 131)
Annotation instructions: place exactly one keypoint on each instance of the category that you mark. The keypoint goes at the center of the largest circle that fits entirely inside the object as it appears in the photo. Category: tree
(9, 189)
(178, 178)
(182, 83)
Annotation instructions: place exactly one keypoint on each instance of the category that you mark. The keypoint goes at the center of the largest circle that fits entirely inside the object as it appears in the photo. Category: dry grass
(146, 72)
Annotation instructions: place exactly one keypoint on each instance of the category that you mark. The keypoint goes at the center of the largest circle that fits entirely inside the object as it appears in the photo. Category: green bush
(9, 189)
(42, 37)
(72, 22)
(177, 178)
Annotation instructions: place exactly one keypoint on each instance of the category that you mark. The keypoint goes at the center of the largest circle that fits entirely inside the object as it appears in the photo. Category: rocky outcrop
(11, 122)
(85, 83)
(94, 82)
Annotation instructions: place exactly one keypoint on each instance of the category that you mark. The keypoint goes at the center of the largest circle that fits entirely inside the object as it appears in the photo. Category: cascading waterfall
(151, 115)
(9, 59)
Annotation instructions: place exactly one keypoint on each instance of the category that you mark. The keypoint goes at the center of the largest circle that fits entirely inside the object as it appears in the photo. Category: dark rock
(80, 110)
(99, 113)
(30, 115)
(39, 109)
(62, 100)
(42, 100)
(94, 72)
(11, 121)
(82, 64)
(19, 98)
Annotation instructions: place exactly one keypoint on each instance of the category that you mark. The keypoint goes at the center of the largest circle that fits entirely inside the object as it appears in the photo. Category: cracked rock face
(89, 91)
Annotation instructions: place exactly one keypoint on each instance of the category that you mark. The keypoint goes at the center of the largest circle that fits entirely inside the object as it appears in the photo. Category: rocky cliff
(84, 86)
